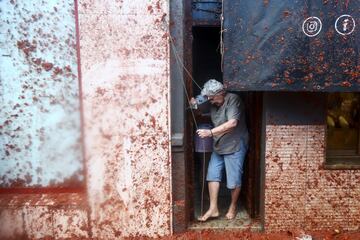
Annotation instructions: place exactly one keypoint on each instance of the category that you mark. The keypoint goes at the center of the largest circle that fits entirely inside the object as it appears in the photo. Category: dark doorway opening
(206, 62)
(206, 55)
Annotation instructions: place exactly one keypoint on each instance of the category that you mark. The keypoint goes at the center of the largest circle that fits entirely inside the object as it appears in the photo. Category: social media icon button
(312, 26)
(345, 25)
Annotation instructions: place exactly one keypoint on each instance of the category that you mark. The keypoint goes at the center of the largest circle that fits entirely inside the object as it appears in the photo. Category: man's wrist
(212, 135)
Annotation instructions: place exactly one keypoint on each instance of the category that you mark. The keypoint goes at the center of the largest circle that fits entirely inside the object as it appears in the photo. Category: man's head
(214, 91)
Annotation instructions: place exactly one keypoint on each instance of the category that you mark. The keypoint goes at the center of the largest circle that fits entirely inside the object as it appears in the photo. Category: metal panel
(39, 117)
(124, 50)
(206, 12)
(292, 45)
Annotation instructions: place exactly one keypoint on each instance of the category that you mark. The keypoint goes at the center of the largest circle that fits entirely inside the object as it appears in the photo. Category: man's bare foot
(209, 215)
(231, 214)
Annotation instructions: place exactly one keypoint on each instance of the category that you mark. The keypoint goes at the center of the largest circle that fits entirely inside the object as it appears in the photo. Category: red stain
(68, 68)
(346, 84)
(26, 46)
(150, 9)
(36, 17)
(107, 136)
(37, 61)
(153, 121)
(286, 14)
(158, 6)
(100, 91)
(289, 234)
(57, 71)
(47, 66)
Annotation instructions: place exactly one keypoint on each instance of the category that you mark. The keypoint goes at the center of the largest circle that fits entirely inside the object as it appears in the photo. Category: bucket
(203, 144)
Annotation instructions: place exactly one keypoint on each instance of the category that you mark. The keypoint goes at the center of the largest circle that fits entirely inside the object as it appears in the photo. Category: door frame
(183, 199)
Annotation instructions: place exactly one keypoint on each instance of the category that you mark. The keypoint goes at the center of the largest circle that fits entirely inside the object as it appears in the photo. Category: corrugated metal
(292, 45)
(39, 117)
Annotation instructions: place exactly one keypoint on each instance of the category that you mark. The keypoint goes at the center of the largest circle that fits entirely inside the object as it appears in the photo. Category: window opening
(343, 130)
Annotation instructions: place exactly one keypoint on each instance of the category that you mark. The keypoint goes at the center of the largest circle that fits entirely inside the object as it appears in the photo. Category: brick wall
(299, 192)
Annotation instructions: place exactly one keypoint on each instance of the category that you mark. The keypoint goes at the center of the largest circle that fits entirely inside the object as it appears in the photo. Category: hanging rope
(182, 66)
(178, 59)
(222, 30)
(203, 181)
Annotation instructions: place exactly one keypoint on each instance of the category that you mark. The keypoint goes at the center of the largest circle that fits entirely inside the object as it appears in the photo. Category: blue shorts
(233, 164)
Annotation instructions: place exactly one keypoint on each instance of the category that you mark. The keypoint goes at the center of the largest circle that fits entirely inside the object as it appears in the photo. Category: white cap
(212, 87)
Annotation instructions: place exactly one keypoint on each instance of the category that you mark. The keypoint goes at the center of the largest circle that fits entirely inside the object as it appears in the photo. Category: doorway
(206, 62)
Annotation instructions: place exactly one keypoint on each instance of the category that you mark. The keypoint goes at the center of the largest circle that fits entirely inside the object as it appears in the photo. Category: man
(230, 136)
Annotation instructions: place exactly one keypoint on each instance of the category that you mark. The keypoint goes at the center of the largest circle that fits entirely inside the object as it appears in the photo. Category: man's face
(217, 99)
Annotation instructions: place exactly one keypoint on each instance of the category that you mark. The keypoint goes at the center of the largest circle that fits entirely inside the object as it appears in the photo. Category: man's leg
(213, 209)
(234, 170)
(234, 198)
(215, 168)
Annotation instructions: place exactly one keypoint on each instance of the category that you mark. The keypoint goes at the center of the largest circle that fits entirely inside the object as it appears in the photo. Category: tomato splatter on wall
(125, 80)
(40, 115)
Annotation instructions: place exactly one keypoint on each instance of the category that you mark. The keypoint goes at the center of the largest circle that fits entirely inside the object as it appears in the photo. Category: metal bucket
(203, 144)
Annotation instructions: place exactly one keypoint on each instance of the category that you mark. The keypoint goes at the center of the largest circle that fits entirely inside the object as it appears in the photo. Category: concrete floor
(242, 220)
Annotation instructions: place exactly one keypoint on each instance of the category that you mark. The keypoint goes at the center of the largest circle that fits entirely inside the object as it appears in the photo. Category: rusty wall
(125, 92)
(39, 117)
(299, 192)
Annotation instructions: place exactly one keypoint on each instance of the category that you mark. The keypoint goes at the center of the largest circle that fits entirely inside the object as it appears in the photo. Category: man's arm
(219, 130)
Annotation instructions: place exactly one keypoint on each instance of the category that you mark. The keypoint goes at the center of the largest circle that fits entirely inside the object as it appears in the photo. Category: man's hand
(203, 133)
(192, 103)
(219, 130)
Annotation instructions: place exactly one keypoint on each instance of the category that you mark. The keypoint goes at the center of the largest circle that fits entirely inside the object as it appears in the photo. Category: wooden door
(251, 179)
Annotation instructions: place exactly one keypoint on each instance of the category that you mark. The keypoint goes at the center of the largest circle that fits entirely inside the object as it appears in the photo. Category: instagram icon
(312, 26)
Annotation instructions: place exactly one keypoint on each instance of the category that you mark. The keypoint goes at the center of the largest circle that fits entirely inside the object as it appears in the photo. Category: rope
(180, 62)
(203, 182)
(182, 66)
(222, 30)
(186, 92)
